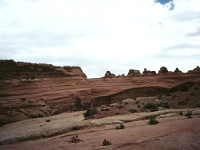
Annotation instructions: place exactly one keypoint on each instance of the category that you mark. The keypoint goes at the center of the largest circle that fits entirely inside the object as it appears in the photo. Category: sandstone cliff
(61, 89)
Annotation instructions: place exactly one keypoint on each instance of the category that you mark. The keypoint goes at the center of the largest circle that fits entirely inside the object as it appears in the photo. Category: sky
(102, 35)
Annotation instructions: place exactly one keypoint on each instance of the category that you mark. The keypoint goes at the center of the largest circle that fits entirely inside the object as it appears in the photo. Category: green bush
(117, 113)
(181, 113)
(120, 107)
(76, 127)
(137, 102)
(91, 112)
(121, 126)
(189, 114)
(106, 143)
(198, 105)
(184, 88)
(133, 110)
(182, 103)
(48, 120)
(150, 106)
(23, 99)
(153, 121)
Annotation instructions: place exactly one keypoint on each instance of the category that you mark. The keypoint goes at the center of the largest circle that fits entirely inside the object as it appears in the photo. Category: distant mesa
(133, 72)
(9, 69)
(163, 70)
(108, 74)
(148, 72)
(177, 71)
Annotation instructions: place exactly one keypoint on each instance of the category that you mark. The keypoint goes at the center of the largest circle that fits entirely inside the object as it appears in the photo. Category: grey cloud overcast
(101, 35)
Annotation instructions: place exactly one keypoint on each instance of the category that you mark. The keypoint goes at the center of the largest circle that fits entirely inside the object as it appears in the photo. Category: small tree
(152, 121)
(91, 112)
(188, 114)
(106, 143)
(77, 103)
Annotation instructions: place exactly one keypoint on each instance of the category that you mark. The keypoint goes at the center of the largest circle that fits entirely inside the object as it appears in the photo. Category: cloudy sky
(101, 35)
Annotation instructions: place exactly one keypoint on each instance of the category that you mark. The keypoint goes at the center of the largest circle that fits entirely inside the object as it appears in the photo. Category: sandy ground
(174, 132)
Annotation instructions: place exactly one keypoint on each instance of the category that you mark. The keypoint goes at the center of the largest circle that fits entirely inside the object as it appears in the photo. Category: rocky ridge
(62, 89)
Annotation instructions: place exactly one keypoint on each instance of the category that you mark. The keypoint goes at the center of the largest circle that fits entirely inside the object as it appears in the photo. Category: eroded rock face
(148, 72)
(74, 71)
(16, 110)
(177, 71)
(133, 72)
(108, 74)
(163, 69)
(10, 69)
(66, 89)
(195, 70)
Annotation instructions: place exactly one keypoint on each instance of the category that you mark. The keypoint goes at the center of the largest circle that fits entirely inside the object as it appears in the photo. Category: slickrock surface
(174, 131)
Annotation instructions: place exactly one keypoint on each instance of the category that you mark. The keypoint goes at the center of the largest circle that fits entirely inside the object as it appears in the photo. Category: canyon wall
(62, 89)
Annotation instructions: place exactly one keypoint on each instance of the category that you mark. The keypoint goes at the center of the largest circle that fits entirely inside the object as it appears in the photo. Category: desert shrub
(168, 94)
(106, 143)
(189, 114)
(181, 113)
(121, 126)
(183, 88)
(182, 103)
(76, 127)
(120, 107)
(48, 120)
(91, 112)
(196, 88)
(198, 105)
(159, 97)
(192, 94)
(77, 103)
(23, 99)
(117, 113)
(133, 110)
(137, 102)
(1, 124)
(152, 121)
(149, 106)
(75, 139)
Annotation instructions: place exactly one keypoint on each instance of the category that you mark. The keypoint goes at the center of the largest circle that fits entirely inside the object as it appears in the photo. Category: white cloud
(101, 35)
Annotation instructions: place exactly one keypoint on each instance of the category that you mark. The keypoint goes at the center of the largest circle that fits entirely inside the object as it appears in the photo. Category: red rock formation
(195, 70)
(133, 72)
(121, 75)
(108, 74)
(163, 69)
(20, 70)
(148, 72)
(177, 71)
(67, 88)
